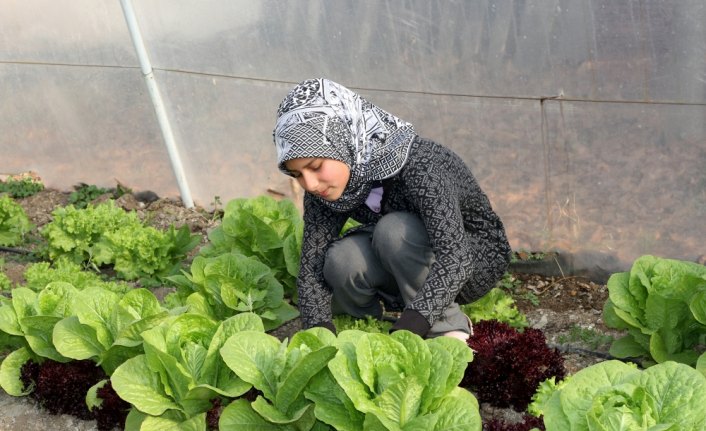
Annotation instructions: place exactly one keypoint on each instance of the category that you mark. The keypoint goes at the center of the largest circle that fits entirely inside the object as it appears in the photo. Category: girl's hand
(413, 321)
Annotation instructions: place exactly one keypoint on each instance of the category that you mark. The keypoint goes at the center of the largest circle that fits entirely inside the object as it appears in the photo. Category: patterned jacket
(466, 235)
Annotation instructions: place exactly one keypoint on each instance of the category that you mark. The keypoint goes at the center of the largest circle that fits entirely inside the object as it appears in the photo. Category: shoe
(463, 336)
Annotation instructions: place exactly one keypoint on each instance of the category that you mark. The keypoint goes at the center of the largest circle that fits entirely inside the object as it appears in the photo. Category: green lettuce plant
(661, 303)
(344, 322)
(14, 224)
(31, 316)
(5, 282)
(172, 385)
(496, 305)
(106, 327)
(145, 252)
(21, 187)
(63, 323)
(84, 194)
(395, 382)
(74, 232)
(108, 235)
(613, 395)
(8, 342)
(233, 283)
(589, 337)
(281, 371)
(39, 274)
(265, 228)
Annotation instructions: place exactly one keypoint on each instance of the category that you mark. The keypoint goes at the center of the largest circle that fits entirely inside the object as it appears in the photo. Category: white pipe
(157, 102)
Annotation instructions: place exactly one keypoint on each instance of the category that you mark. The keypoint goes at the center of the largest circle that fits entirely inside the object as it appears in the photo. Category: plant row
(174, 366)
(177, 369)
(202, 357)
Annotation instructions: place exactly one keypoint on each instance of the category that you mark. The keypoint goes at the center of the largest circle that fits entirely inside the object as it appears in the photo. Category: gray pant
(391, 261)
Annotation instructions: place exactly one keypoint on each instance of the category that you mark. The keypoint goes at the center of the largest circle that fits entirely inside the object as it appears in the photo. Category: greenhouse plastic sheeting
(583, 120)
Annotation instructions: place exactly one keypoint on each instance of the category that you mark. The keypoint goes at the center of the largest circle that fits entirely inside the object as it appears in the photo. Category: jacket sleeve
(466, 236)
(436, 203)
(321, 228)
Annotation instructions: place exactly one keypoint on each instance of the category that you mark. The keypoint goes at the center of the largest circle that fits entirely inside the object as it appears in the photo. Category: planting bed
(566, 309)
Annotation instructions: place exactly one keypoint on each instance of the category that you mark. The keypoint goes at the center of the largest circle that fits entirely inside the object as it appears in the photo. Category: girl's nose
(308, 181)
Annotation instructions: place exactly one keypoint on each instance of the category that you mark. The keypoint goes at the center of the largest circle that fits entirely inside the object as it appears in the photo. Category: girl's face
(326, 178)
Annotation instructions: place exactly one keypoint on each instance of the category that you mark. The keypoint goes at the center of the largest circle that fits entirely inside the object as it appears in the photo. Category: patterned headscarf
(320, 118)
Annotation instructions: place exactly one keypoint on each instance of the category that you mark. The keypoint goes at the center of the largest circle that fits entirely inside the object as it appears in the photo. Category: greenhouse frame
(584, 121)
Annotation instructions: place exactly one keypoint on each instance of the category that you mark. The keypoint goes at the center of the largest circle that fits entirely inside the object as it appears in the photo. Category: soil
(567, 308)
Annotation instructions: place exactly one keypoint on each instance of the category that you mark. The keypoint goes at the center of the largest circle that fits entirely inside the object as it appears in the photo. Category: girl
(429, 238)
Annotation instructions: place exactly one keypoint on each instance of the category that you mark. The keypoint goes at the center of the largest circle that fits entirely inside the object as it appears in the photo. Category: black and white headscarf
(320, 118)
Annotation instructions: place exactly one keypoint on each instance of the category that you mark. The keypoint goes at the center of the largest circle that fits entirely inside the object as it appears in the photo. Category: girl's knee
(335, 263)
(396, 230)
(347, 259)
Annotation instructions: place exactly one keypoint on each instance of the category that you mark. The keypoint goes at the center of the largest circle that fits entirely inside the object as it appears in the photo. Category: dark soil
(565, 307)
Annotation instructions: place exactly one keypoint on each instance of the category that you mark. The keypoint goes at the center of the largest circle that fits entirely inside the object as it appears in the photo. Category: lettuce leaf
(281, 372)
(233, 283)
(14, 223)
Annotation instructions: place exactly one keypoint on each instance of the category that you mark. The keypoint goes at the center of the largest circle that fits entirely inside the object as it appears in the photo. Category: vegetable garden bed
(567, 311)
